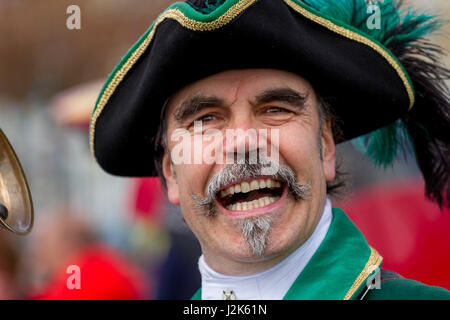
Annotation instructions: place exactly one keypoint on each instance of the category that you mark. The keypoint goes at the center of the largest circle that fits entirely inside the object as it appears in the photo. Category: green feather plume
(205, 6)
(415, 24)
(382, 145)
(423, 130)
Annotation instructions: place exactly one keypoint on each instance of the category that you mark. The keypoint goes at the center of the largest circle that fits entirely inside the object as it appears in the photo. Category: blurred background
(128, 241)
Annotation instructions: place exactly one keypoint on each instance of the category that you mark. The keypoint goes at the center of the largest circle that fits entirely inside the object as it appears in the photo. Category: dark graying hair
(335, 188)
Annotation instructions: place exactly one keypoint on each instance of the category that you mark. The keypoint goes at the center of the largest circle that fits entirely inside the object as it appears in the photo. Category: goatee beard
(256, 231)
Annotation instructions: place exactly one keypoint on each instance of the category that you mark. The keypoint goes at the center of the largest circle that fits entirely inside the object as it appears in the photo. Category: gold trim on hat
(221, 21)
(179, 16)
(359, 38)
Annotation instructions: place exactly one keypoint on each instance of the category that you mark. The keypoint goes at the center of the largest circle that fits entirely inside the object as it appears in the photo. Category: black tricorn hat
(383, 80)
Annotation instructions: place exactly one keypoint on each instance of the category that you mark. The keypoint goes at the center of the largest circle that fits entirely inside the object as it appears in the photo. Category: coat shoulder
(407, 289)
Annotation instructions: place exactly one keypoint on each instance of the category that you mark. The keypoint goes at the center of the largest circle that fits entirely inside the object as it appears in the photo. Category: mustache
(234, 173)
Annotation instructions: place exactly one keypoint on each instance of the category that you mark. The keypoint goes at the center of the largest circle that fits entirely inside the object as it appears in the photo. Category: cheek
(192, 179)
(300, 151)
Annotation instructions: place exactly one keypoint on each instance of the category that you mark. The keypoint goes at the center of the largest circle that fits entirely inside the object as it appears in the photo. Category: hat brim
(368, 86)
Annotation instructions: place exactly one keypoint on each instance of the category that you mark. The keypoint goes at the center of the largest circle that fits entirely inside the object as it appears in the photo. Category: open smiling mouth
(250, 195)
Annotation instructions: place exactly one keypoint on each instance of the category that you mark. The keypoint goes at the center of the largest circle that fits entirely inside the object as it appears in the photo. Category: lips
(249, 195)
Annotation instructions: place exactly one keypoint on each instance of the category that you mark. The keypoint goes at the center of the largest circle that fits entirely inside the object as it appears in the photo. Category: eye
(206, 121)
(206, 118)
(275, 110)
(275, 115)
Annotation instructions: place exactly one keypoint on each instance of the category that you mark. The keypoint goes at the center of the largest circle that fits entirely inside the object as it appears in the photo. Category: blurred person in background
(179, 275)
(163, 243)
(65, 246)
(9, 267)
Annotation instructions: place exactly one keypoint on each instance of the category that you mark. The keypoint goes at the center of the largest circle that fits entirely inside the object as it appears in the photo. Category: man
(244, 102)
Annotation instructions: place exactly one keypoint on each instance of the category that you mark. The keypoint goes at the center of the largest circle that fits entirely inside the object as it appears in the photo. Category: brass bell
(16, 206)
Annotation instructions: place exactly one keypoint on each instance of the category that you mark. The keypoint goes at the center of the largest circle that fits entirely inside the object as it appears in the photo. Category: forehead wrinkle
(195, 104)
(201, 101)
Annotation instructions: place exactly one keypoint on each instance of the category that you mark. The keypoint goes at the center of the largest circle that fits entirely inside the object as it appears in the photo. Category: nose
(241, 137)
(249, 141)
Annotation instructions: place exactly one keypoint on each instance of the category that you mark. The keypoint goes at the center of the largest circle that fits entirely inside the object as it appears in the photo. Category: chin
(273, 248)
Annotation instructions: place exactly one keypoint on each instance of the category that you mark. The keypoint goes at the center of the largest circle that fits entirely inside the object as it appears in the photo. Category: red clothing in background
(104, 275)
(410, 232)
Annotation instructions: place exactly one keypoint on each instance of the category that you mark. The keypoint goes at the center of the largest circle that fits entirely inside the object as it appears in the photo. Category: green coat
(341, 266)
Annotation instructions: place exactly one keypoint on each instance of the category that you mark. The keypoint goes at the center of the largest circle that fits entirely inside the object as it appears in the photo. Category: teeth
(262, 184)
(261, 202)
(255, 204)
(254, 185)
(246, 187)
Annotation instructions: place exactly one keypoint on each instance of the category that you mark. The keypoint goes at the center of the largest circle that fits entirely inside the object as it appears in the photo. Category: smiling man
(248, 222)
(238, 107)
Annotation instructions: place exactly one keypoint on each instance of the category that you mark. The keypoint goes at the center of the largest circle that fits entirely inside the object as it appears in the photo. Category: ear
(173, 192)
(328, 152)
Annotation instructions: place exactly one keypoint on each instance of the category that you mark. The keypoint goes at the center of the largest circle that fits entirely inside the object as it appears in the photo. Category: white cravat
(271, 284)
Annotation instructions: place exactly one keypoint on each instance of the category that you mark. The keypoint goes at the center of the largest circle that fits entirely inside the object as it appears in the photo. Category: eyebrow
(196, 104)
(282, 94)
(200, 102)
